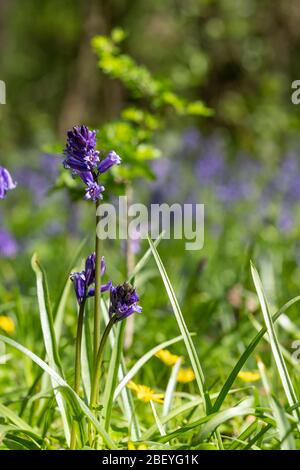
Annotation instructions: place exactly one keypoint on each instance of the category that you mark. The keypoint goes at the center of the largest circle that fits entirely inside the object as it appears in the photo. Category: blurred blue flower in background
(8, 245)
(6, 182)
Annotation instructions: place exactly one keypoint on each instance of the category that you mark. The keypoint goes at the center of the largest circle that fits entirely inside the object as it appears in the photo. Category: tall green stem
(77, 364)
(97, 311)
(98, 362)
(130, 262)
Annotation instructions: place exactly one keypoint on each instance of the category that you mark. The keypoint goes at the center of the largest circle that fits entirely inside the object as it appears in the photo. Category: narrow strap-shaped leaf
(246, 354)
(14, 418)
(275, 347)
(61, 383)
(49, 337)
(171, 387)
(200, 379)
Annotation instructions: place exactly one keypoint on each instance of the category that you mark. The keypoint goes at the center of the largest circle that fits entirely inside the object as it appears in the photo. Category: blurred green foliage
(239, 57)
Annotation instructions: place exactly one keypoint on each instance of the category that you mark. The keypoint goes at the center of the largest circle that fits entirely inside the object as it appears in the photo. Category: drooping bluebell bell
(83, 160)
(6, 182)
(8, 245)
(83, 281)
(123, 301)
(111, 159)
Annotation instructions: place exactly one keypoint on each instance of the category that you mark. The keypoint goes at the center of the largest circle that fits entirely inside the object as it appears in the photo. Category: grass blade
(275, 347)
(244, 408)
(49, 337)
(180, 410)
(246, 354)
(214, 419)
(200, 379)
(283, 427)
(14, 418)
(63, 385)
(171, 387)
(160, 427)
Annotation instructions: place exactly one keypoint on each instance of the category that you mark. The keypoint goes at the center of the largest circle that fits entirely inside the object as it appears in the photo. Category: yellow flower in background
(167, 357)
(145, 393)
(7, 324)
(185, 375)
(132, 446)
(248, 376)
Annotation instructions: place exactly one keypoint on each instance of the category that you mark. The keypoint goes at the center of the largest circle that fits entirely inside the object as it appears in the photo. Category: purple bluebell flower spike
(123, 301)
(80, 151)
(85, 279)
(6, 182)
(83, 160)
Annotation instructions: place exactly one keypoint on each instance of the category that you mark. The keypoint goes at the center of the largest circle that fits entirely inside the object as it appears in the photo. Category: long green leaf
(171, 387)
(14, 418)
(63, 385)
(200, 379)
(275, 347)
(244, 408)
(246, 354)
(180, 410)
(49, 338)
(215, 419)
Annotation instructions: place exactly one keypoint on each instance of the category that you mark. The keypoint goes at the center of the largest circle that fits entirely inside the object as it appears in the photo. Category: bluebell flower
(83, 281)
(123, 301)
(94, 191)
(80, 151)
(6, 182)
(111, 159)
(83, 160)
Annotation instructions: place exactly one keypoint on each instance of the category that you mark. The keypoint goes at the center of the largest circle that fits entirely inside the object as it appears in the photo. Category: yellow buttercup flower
(167, 357)
(132, 446)
(7, 324)
(145, 393)
(248, 376)
(185, 375)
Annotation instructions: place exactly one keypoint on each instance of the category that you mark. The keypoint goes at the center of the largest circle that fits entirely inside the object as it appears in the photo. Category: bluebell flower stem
(130, 262)
(97, 311)
(97, 373)
(77, 364)
(98, 362)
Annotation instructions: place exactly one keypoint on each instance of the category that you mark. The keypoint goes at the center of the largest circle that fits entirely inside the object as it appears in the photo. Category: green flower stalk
(82, 158)
(123, 303)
